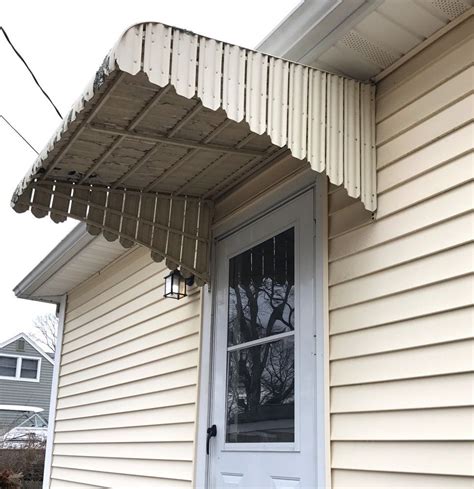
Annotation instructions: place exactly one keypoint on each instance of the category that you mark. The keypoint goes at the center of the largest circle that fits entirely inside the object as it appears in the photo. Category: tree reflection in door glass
(260, 393)
(260, 380)
(261, 290)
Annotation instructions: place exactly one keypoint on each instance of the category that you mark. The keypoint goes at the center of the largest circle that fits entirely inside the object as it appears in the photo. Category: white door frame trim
(321, 260)
(267, 203)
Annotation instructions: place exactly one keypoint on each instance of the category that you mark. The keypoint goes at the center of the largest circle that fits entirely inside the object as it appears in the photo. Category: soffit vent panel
(450, 8)
(387, 32)
(369, 50)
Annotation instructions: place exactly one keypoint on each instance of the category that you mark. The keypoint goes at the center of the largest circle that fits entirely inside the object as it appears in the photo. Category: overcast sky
(64, 43)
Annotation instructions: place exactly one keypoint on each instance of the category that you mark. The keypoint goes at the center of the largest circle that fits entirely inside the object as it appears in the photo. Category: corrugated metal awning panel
(173, 120)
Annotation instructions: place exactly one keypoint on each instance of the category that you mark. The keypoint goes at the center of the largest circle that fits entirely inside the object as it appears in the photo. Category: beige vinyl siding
(126, 403)
(401, 287)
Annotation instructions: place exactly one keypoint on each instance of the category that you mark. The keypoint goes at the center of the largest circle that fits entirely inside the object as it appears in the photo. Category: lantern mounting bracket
(189, 281)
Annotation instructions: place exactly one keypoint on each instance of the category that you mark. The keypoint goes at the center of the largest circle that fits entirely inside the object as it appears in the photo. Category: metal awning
(173, 120)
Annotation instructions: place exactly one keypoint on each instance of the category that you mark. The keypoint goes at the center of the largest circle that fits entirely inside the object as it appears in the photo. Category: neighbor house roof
(173, 120)
(32, 343)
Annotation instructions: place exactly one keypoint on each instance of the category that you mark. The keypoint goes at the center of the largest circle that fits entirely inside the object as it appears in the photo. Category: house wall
(24, 393)
(127, 383)
(400, 300)
(401, 289)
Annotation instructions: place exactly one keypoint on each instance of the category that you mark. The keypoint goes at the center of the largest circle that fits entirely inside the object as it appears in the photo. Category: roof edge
(63, 252)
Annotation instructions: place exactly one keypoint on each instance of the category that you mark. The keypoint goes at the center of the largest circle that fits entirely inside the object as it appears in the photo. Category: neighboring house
(327, 340)
(26, 374)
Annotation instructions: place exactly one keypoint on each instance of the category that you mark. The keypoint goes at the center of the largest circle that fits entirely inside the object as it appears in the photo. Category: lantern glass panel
(175, 285)
(182, 286)
(168, 282)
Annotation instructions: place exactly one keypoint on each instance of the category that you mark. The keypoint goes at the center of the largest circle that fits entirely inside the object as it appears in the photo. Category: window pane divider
(260, 341)
(19, 363)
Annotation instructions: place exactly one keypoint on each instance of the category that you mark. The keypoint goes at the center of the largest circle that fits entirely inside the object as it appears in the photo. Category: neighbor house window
(19, 368)
(29, 368)
(8, 366)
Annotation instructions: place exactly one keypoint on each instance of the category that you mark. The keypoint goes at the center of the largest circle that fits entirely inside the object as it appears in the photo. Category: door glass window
(260, 343)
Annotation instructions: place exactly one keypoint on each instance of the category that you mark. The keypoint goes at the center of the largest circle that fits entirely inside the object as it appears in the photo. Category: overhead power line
(29, 69)
(19, 134)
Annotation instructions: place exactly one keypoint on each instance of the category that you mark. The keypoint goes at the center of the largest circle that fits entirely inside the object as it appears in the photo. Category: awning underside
(173, 120)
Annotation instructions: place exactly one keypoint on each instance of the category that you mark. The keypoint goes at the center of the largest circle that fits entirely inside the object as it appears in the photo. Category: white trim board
(321, 261)
(54, 395)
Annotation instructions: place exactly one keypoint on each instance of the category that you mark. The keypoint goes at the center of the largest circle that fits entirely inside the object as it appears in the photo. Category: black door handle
(212, 431)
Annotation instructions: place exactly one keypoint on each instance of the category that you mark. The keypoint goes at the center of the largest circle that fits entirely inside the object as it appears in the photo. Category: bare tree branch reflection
(261, 378)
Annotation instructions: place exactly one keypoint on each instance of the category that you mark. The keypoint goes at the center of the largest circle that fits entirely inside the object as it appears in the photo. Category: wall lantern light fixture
(176, 285)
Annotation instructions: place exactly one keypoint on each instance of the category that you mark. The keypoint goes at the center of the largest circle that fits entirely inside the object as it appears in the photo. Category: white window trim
(19, 361)
(274, 199)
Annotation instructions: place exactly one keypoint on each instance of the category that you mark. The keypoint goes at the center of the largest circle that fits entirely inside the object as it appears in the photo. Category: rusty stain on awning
(173, 120)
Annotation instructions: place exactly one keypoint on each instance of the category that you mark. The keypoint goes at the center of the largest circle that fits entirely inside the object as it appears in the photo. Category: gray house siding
(24, 393)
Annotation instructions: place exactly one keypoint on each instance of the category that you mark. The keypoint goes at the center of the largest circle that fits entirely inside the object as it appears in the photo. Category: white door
(264, 368)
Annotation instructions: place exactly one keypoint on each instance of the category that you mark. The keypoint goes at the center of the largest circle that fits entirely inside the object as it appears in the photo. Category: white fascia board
(69, 247)
(296, 26)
